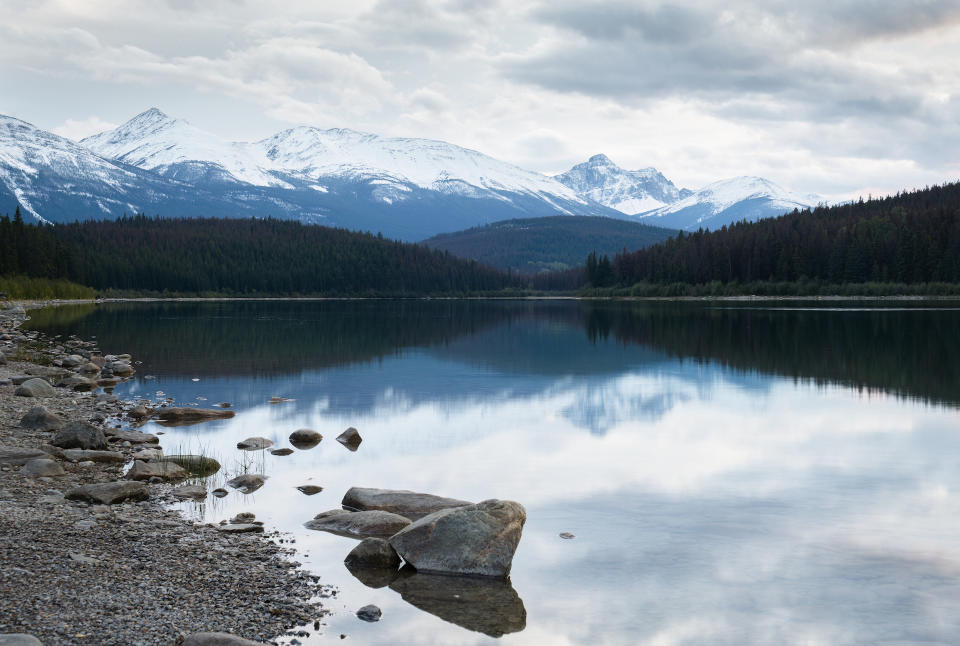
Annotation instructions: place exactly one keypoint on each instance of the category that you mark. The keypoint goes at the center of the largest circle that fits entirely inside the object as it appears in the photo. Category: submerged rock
(248, 482)
(196, 465)
(186, 416)
(350, 438)
(164, 470)
(409, 504)
(305, 438)
(479, 539)
(487, 606)
(80, 435)
(358, 524)
(254, 444)
(110, 493)
(190, 492)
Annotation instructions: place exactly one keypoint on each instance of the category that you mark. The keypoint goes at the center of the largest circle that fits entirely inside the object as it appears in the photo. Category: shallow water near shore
(733, 473)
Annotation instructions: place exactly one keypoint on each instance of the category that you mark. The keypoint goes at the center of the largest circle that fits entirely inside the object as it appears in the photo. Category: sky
(835, 97)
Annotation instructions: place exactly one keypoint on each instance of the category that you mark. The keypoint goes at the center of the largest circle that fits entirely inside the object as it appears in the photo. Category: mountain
(404, 188)
(728, 201)
(628, 191)
(547, 243)
(646, 194)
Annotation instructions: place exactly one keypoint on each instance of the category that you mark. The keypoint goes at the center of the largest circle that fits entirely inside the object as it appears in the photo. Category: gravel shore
(131, 573)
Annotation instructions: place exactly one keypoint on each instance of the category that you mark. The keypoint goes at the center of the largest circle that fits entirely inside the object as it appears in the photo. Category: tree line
(234, 257)
(910, 238)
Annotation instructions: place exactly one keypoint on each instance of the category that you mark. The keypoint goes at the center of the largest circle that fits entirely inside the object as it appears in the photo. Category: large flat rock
(110, 493)
(477, 540)
(358, 524)
(17, 456)
(408, 504)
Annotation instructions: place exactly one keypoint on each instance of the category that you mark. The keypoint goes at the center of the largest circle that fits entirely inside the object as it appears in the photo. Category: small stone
(220, 492)
(369, 613)
(242, 528)
(281, 452)
(350, 438)
(305, 438)
(566, 535)
(146, 470)
(192, 492)
(42, 468)
(310, 490)
(243, 517)
(248, 482)
(254, 444)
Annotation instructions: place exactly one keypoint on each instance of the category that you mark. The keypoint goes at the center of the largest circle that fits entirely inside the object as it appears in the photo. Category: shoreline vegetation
(111, 569)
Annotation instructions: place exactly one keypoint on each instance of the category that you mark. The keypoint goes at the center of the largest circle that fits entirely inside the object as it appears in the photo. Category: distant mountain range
(409, 189)
(647, 196)
(550, 243)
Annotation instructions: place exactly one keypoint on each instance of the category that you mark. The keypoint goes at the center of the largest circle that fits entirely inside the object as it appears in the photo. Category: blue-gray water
(734, 473)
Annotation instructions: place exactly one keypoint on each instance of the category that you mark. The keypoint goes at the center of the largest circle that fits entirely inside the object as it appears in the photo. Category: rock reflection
(488, 606)
(373, 577)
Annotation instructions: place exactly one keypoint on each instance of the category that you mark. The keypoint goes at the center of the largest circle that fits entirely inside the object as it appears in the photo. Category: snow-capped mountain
(408, 188)
(728, 201)
(55, 180)
(627, 191)
(649, 196)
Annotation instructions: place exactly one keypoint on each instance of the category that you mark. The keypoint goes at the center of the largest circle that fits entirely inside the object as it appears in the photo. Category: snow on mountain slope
(628, 191)
(35, 163)
(727, 201)
(154, 141)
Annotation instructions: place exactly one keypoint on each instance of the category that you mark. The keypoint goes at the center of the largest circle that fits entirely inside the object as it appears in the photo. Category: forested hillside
(911, 238)
(534, 245)
(234, 257)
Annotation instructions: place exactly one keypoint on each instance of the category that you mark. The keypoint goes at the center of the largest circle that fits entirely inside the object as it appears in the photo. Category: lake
(734, 472)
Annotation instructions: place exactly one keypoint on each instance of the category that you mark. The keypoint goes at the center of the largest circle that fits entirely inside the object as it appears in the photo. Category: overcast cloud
(835, 97)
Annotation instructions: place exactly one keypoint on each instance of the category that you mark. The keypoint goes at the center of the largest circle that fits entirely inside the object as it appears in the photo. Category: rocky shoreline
(130, 573)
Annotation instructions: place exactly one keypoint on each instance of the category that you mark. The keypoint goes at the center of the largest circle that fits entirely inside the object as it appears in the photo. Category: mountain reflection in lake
(734, 473)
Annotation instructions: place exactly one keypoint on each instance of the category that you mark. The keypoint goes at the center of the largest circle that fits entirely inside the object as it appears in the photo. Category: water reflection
(733, 474)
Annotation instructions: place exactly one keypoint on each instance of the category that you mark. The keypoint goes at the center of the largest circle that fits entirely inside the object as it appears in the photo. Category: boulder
(163, 470)
(409, 504)
(305, 438)
(42, 468)
(81, 455)
(138, 412)
(216, 639)
(369, 613)
(110, 493)
(478, 540)
(186, 416)
(134, 437)
(190, 492)
(358, 524)
(310, 490)
(196, 465)
(35, 387)
(248, 482)
(80, 435)
(373, 552)
(254, 444)
(16, 456)
(40, 418)
(350, 438)
(488, 606)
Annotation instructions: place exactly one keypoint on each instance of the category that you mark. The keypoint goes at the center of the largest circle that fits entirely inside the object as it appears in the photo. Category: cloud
(77, 130)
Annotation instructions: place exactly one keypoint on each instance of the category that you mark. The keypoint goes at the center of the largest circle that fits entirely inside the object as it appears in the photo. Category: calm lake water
(734, 472)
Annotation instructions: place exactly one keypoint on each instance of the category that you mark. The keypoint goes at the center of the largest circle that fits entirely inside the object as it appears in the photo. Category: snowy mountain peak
(628, 191)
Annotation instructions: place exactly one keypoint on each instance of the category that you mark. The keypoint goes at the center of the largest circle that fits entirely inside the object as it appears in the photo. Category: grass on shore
(27, 288)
